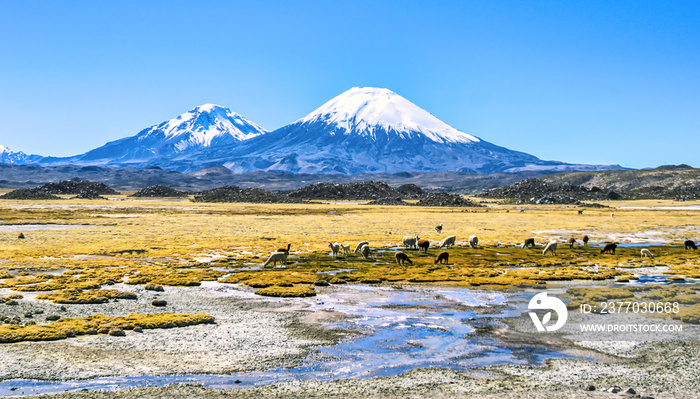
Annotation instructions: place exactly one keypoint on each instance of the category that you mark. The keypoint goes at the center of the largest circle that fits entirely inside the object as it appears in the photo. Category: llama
(365, 251)
(277, 257)
(443, 257)
(580, 211)
(402, 257)
(335, 247)
(585, 241)
(474, 241)
(424, 245)
(438, 228)
(571, 242)
(357, 248)
(410, 242)
(530, 242)
(449, 242)
(346, 249)
(690, 244)
(551, 247)
(609, 249)
(646, 253)
(285, 249)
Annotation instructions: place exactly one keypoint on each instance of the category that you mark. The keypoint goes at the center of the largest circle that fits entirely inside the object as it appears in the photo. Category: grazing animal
(551, 247)
(277, 257)
(571, 242)
(285, 249)
(449, 242)
(424, 245)
(612, 215)
(690, 244)
(410, 242)
(402, 257)
(365, 251)
(530, 242)
(438, 228)
(335, 247)
(585, 241)
(346, 249)
(609, 248)
(474, 241)
(646, 253)
(357, 248)
(443, 257)
(580, 212)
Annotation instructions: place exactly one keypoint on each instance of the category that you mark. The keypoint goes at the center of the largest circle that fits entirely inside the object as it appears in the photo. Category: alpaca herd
(414, 242)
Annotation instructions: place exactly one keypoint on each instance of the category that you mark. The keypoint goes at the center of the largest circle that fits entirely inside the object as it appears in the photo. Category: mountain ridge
(363, 130)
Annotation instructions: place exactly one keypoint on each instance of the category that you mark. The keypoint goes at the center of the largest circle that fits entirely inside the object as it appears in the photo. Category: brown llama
(571, 242)
(609, 248)
(443, 257)
(585, 241)
(402, 257)
(424, 245)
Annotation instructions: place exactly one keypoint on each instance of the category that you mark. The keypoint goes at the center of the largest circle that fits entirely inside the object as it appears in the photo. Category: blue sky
(587, 82)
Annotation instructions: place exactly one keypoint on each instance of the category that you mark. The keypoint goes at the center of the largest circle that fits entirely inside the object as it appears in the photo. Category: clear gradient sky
(603, 82)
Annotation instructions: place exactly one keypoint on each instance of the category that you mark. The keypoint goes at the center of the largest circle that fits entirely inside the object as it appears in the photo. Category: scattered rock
(445, 199)
(138, 329)
(29, 194)
(159, 302)
(590, 388)
(159, 191)
(21, 236)
(249, 195)
(629, 391)
(83, 188)
(52, 317)
(369, 190)
(117, 332)
(615, 389)
(154, 287)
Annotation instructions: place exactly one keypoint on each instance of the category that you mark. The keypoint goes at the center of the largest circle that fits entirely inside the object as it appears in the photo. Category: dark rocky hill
(159, 191)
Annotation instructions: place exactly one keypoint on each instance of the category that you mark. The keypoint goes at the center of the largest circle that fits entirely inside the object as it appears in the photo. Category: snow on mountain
(364, 110)
(363, 130)
(207, 125)
(15, 157)
(372, 130)
(200, 126)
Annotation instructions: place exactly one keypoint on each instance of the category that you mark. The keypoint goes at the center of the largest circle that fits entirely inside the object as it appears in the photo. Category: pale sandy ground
(258, 334)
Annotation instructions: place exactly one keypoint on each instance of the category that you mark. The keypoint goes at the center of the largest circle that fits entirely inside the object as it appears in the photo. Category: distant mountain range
(364, 130)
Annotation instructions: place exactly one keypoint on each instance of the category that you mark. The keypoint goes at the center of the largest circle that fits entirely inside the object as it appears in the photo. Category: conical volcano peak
(362, 110)
(204, 123)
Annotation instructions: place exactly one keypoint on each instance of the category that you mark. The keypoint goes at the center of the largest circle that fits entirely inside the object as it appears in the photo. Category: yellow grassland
(168, 242)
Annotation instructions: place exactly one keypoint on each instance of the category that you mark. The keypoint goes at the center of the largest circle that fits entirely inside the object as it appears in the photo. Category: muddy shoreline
(260, 334)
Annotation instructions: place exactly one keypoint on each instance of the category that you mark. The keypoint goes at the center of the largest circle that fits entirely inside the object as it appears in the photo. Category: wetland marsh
(372, 328)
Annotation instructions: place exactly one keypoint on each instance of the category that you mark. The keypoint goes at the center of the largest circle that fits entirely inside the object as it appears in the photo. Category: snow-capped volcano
(364, 110)
(205, 126)
(373, 130)
(15, 157)
(361, 130)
